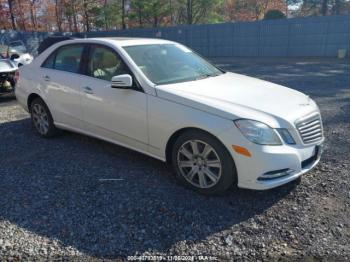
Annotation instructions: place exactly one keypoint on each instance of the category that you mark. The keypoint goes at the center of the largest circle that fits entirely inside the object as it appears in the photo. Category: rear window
(66, 58)
(49, 62)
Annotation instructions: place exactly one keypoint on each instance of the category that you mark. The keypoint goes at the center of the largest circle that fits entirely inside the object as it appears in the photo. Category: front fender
(167, 117)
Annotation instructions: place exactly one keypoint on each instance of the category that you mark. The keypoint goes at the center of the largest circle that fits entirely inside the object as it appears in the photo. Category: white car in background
(23, 57)
(215, 128)
(8, 75)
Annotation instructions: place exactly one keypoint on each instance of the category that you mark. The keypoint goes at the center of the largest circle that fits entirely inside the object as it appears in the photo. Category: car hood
(7, 66)
(24, 59)
(236, 96)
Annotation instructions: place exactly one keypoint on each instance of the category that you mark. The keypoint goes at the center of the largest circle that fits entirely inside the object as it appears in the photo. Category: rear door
(61, 74)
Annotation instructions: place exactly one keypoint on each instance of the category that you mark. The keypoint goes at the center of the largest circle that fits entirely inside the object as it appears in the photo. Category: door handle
(46, 78)
(88, 90)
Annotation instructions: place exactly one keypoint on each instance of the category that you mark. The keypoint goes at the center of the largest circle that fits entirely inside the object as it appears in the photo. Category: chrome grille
(310, 129)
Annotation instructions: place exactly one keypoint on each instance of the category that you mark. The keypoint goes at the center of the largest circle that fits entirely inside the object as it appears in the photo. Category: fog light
(276, 174)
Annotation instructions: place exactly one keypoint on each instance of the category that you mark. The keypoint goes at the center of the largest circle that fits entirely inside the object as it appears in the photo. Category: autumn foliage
(88, 15)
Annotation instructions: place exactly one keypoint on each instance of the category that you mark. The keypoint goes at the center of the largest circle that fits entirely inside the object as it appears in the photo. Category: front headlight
(258, 132)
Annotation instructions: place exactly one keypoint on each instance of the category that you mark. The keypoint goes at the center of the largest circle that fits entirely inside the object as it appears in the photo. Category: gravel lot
(75, 197)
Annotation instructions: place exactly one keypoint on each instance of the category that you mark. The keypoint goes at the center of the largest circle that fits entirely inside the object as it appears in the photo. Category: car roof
(51, 40)
(123, 41)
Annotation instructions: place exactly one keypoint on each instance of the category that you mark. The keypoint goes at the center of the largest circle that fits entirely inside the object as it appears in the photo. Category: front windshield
(170, 63)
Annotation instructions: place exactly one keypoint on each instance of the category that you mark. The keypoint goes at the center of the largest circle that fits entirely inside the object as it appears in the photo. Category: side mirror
(122, 81)
(14, 56)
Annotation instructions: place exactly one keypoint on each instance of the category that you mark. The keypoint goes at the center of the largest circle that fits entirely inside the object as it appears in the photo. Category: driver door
(115, 114)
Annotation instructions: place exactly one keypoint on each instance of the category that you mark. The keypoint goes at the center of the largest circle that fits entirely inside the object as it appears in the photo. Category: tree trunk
(262, 8)
(171, 12)
(70, 22)
(189, 12)
(105, 16)
(139, 11)
(21, 14)
(324, 7)
(337, 7)
(75, 17)
(10, 3)
(155, 21)
(86, 15)
(123, 14)
(32, 19)
(32, 14)
(68, 11)
(58, 19)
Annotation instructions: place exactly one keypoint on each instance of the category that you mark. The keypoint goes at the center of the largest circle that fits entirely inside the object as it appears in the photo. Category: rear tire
(202, 163)
(42, 120)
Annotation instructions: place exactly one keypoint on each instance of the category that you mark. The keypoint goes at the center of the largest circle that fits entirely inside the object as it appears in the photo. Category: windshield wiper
(205, 76)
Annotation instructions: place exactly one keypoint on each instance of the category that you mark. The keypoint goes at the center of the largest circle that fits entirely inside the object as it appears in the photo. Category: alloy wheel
(199, 163)
(40, 119)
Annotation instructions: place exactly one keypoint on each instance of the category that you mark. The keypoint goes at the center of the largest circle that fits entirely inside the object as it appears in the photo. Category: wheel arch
(171, 141)
(31, 98)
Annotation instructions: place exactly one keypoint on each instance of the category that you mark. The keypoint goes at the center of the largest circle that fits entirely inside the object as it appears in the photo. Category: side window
(105, 63)
(68, 58)
(49, 62)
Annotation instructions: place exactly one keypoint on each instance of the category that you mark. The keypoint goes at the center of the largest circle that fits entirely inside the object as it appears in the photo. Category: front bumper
(297, 159)
(263, 184)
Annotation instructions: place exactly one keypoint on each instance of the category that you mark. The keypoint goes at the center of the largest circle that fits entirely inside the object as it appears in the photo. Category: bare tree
(32, 13)
(21, 15)
(13, 22)
(58, 15)
(75, 20)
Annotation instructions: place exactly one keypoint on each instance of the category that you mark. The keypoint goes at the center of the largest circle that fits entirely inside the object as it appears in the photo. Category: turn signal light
(241, 150)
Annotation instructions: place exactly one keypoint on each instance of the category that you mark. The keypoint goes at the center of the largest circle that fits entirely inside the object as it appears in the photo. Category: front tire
(201, 162)
(42, 120)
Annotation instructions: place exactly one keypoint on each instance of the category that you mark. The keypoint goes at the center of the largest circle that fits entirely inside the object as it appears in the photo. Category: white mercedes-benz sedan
(215, 128)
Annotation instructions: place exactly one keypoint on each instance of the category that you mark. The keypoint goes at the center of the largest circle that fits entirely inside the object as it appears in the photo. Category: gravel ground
(74, 197)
